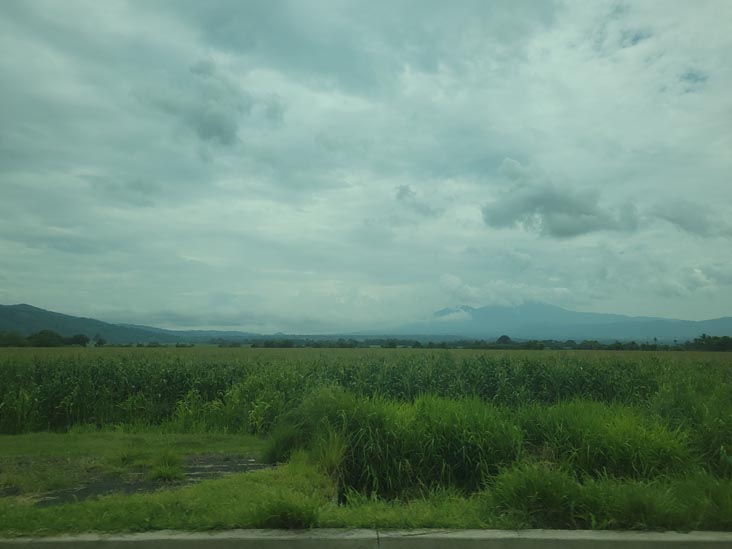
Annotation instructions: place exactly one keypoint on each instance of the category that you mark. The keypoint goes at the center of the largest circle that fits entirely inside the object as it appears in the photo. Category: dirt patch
(196, 468)
(205, 467)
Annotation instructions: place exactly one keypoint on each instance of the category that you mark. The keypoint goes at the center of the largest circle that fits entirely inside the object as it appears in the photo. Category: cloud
(452, 315)
(515, 171)
(498, 292)
(720, 273)
(324, 44)
(697, 219)
(135, 191)
(208, 102)
(693, 79)
(633, 37)
(406, 196)
(333, 159)
(553, 211)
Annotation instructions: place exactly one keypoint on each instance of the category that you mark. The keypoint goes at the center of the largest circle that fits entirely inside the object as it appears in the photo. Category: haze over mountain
(533, 320)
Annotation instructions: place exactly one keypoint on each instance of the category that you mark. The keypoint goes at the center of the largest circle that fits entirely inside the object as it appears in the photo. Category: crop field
(363, 438)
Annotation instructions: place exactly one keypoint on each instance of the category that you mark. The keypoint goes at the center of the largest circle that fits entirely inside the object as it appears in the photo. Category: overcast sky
(315, 166)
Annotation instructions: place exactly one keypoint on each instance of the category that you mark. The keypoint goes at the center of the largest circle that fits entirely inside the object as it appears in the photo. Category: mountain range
(536, 320)
(531, 320)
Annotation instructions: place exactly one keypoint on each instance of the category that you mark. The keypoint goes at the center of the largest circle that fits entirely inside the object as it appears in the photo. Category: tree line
(49, 338)
(702, 343)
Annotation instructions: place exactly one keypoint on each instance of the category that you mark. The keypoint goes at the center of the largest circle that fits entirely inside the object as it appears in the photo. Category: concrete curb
(378, 539)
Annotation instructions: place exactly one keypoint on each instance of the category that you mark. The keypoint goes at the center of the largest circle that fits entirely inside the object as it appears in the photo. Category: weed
(166, 467)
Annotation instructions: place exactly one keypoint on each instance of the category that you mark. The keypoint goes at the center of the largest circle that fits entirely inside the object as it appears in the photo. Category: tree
(503, 340)
(78, 339)
(46, 338)
(99, 341)
(12, 339)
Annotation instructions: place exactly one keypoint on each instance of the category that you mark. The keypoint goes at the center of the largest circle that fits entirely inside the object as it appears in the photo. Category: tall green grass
(397, 449)
(389, 448)
(540, 439)
(606, 439)
(246, 390)
(631, 415)
(538, 496)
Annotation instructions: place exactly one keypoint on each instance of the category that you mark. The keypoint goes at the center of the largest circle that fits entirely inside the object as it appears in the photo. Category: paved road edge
(382, 539)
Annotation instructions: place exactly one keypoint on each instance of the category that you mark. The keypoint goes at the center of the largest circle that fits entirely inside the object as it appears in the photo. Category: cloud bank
(331, 165)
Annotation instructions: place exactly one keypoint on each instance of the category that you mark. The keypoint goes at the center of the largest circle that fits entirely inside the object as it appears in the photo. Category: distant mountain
(27, 319)
(532, 320)
(535, 320)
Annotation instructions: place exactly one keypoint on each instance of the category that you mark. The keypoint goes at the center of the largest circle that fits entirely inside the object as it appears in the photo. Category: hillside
(27, 319)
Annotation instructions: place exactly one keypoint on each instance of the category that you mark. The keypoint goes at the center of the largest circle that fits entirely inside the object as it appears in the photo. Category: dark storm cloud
(560, 212)
(555, 212)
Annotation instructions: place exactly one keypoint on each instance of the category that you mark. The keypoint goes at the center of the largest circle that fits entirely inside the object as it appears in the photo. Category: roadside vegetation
(367, 438)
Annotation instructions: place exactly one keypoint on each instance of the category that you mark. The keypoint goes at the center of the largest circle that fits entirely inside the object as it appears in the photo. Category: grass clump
(378, 446)
(534, 495)
(597, 439)
(167, 467)
(287, 511)
(704, 408)
(461, 442)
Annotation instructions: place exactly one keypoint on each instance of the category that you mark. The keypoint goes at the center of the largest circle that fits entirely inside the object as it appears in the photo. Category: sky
(340, 165)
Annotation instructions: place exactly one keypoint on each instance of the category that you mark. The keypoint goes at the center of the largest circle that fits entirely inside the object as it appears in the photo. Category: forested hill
(26, 320)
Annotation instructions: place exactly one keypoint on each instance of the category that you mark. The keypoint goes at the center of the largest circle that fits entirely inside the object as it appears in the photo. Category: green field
(364, 438)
